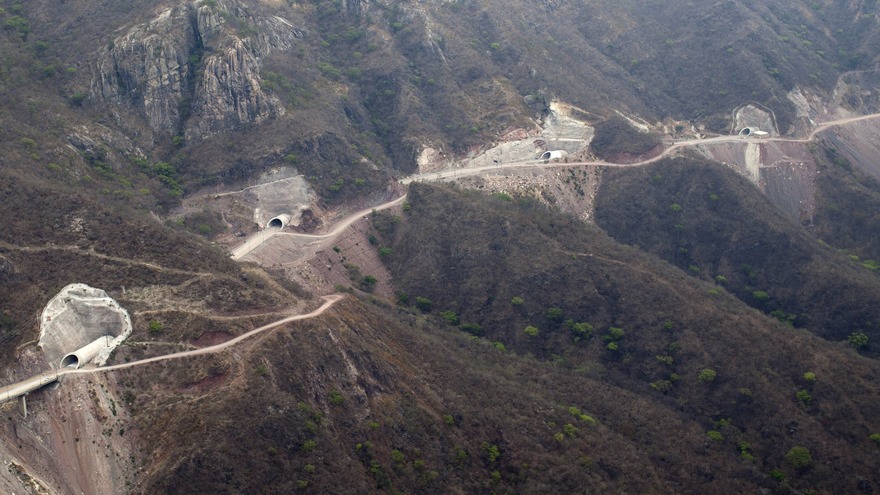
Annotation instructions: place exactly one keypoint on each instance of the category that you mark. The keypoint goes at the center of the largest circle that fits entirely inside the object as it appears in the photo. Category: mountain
(655, 306)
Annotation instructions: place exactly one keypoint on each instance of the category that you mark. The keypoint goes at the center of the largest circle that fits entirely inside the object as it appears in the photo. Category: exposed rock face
(195, 68)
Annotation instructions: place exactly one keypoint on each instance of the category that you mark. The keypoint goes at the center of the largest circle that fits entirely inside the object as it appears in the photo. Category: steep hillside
(546, 286)
(716, 226)
(382, 403)
(53, 238)
(693, 340)
(142, 103)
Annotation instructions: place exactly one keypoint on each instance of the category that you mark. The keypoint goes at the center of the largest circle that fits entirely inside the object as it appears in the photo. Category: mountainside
(714, 225)
(612, 292)
(221, 89)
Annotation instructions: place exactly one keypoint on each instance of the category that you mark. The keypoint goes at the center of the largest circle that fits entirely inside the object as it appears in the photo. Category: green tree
(450, 317)
(579, 331)
(554, 314)
(858, 340)
(799, 457)
(707, 375)
(155, 327)
(804, 397)
(517, 301)
(424, 304)
(531, 331)
(368, 283)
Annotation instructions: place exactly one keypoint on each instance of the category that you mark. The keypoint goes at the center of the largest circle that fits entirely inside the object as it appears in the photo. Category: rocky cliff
(195, 68)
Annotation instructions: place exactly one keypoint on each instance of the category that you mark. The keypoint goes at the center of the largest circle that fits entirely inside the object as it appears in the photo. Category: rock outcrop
(195, 68)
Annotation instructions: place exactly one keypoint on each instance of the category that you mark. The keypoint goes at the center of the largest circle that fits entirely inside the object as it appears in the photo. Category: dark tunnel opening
(70, 360)
(276, 223)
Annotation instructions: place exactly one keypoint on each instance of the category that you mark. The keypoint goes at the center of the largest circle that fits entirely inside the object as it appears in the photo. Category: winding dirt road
(329, 301)
(15, 389)
(35, 382)
(260, 237)
(465, 172)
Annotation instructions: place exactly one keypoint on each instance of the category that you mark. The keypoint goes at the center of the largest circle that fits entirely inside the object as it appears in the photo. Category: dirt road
(329, 301)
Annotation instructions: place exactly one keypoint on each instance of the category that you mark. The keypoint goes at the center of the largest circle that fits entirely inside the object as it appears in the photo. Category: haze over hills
(656, 308)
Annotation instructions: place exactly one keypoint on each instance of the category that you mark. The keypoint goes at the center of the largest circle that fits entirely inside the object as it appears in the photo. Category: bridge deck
(23, 387)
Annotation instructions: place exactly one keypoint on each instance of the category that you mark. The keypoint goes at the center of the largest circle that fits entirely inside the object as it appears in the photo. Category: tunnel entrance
(278, 222)
(546, 155)
(746, 131)
(70, 361)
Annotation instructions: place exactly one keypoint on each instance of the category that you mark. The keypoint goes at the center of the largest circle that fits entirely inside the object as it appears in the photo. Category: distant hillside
(353, 91)
(545, 286)
(716, 226)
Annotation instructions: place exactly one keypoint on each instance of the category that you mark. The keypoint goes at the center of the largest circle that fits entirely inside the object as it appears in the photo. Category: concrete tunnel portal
(278, 222)
(85, 354)
(554, 155)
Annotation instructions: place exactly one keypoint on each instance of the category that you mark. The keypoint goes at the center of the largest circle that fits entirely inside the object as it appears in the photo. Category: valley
(439, 246)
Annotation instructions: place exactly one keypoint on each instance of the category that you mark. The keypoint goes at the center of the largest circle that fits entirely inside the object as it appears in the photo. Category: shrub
(715, 436)
(368, 283)
(531, 331)
(707, 375)
(667, 360)
(858, 340)
(614, 334)
(492, 450)
(335, 397)
(402, 297)
(450, 317)
(760, 295)
(799, 457)
(554, 314)
(581, 330)
(875, 437)
(424, 304)
(810, 376)
(155, 327)
(18, 24)
(517, 301)
(662, 386)
(385, 252)
(804, 397)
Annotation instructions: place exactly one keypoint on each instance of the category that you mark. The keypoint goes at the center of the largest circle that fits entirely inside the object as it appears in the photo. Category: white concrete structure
(554, 155)
(87, 353)
(752, 131)
(76, 317)
(279, 222)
